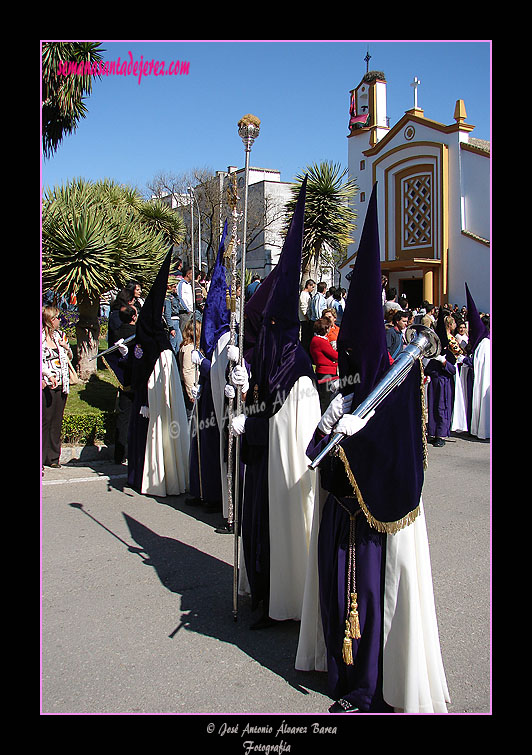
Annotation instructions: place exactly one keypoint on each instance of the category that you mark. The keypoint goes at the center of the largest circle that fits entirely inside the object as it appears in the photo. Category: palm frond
(63, 95)
(329, 220)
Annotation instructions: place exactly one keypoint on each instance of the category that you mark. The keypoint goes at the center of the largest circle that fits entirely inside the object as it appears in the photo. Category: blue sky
(299, 90)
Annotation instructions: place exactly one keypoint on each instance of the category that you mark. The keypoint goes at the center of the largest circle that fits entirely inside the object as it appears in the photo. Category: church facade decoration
(433, 183)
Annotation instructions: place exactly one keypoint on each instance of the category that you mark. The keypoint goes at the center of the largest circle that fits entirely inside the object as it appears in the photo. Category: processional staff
(231, 266)
(248, 129)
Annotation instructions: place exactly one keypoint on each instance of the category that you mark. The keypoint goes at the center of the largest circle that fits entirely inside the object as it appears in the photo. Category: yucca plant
(96, 237)
(329, 220)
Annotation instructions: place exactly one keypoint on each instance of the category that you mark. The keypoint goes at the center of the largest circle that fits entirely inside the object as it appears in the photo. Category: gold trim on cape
(390, 528)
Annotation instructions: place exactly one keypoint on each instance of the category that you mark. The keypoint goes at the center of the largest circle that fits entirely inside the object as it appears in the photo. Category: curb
(86, 453)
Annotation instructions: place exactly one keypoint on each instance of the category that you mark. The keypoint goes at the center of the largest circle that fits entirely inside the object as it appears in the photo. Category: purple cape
(387, 456)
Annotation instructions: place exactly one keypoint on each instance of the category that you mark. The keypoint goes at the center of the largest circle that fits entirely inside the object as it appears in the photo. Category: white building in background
(433, 196)
(267, 197)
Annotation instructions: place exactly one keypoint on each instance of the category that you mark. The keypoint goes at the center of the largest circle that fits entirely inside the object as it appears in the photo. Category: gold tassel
(233, 302)
(228, 300)
(347, 650)
(424, 418)
(354, 622)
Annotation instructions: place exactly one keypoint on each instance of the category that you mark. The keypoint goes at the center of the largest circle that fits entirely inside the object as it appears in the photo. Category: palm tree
(63, 95)
(329, 221)
(96, 237)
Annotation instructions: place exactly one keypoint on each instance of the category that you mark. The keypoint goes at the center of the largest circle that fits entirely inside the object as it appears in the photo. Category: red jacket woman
(325, 360)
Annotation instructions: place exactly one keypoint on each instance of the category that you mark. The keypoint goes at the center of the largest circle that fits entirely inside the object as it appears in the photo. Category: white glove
(195, 391)
(338, 406)
(239, 376)
(238, 425)
(197, 357)
(460, 358)
(229, 391)
(440, 358)
(350, 424)
(122, 348)
(144, 411)
(232, 353)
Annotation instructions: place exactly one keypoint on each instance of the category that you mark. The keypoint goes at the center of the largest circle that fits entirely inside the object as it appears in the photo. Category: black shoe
(193, 501)
(225, 530)
(55, 465)
(438, 442)
(343, 706)
(264, 622)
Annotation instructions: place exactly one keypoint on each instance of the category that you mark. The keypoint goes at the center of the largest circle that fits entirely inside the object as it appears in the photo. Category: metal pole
(199, 227)
(196, 369)
(112, 348)
(248, 129)
(422, 342)
(199, 235)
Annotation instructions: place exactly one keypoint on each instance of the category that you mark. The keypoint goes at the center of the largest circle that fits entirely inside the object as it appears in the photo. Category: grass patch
(98, 395)
(90, 408)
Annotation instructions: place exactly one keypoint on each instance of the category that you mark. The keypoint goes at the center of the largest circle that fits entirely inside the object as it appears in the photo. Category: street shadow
(116, 478)
(205, 585)
(200, 513)
(118, 481)
(468, 437)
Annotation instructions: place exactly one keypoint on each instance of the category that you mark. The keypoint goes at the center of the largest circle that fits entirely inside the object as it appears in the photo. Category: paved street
(137, 600)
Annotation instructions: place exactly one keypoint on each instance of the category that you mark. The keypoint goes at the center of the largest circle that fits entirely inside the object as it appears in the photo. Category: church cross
(415, 84)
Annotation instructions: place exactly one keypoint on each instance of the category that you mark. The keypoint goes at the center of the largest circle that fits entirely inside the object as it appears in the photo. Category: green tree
(97, 237)
(63, 95)
(329, 221)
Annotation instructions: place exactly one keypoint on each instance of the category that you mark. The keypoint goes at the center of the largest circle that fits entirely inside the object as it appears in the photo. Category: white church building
(433, 197)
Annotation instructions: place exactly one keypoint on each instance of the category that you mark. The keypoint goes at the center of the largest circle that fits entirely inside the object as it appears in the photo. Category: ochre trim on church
(475, 237)
(476, 150)
(437, 156)
(409, 118)
(441, 168)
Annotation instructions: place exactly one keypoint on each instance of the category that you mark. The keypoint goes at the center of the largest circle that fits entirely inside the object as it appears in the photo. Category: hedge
(87, 429)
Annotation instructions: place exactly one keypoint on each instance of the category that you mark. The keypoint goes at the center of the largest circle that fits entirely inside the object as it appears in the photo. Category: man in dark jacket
(395, 335)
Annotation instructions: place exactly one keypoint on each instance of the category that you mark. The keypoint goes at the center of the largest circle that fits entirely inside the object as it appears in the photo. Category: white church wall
(469, 262)
(476, 206)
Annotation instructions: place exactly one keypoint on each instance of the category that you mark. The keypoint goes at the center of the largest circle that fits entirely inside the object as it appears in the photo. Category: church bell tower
(367, 112)
(368, 124)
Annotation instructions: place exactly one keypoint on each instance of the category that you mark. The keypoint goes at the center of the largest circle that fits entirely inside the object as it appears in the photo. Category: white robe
(218, 380)
(459, 419)
(480, 415)
(165, 469)
(413, 675)
(292, 493)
